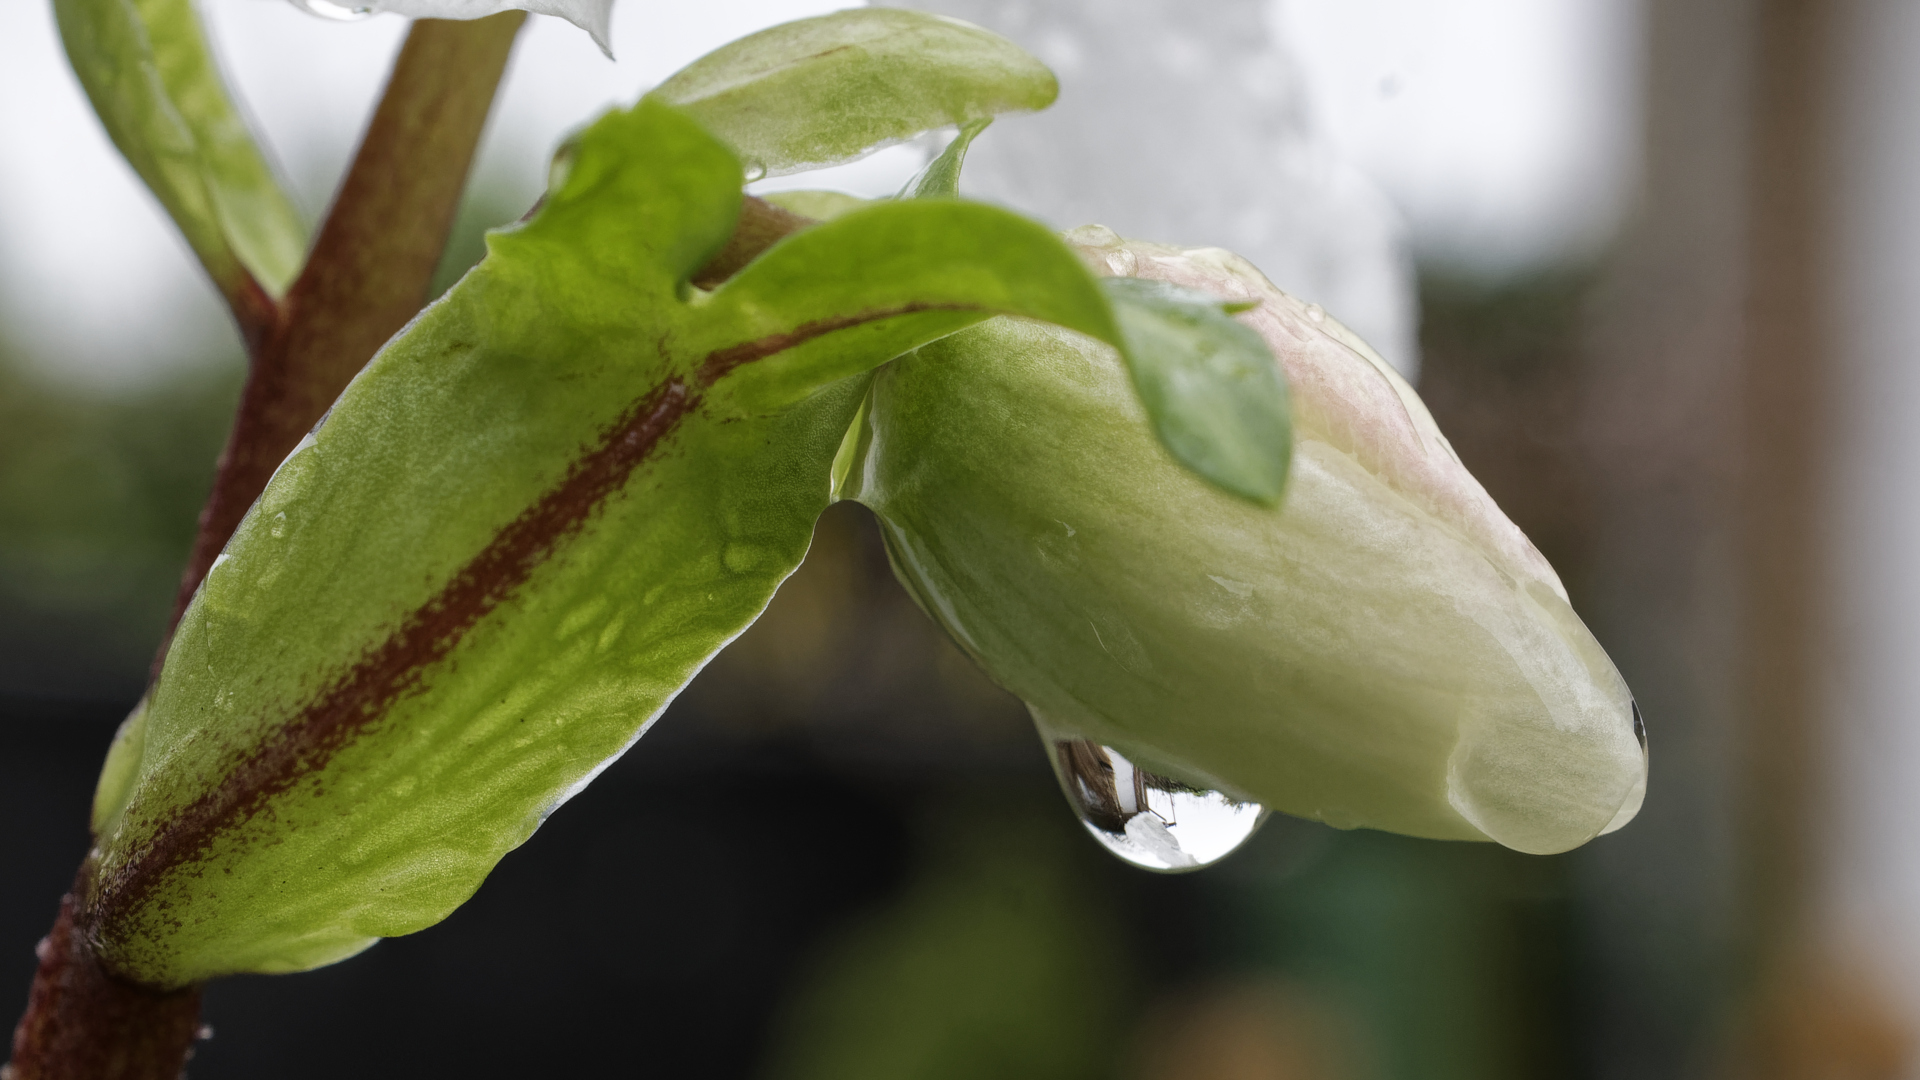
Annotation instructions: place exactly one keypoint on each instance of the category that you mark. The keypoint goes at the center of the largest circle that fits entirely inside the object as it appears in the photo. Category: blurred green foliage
(997, 959)
(99, 496)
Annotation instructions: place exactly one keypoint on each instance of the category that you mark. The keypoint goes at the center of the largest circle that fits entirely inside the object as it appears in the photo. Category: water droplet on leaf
(326, 9)
(1152, 821)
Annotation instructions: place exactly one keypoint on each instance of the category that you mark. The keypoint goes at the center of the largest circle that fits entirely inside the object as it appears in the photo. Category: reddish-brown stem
(761, 225)
(83, 1023)
(370, 266)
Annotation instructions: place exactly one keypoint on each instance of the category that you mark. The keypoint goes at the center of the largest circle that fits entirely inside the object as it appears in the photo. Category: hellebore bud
(593, 16)
(1386, 650)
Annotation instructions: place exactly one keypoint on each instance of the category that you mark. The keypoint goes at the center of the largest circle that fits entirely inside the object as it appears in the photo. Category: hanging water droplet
(1154, 822)
(755, 171)
(338, 12)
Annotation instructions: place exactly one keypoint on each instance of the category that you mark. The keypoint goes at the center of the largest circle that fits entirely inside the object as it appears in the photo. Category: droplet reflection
(1152, 821)
(338, 12)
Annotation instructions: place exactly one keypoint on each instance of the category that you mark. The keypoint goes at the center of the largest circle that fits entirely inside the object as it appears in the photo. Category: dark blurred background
(842, 854)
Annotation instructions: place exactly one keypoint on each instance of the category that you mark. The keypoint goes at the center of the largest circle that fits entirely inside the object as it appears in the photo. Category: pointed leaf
(941, 178)
(927, 268)
(1210, 384)
(830, 89)
(153, 80)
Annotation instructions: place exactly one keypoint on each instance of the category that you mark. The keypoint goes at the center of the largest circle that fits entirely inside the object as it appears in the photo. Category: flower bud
(593, 16)
(1385, 650)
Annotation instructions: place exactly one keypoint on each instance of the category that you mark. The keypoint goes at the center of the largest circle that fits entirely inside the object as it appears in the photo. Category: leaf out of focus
(821, 91)
(156, 86)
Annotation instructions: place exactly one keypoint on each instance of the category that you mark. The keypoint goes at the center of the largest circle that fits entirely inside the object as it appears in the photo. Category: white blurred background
(1500, 130)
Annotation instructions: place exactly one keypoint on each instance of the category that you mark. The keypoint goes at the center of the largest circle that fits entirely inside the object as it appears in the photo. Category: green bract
(521, 530)
(1387, 650)
(146, 67)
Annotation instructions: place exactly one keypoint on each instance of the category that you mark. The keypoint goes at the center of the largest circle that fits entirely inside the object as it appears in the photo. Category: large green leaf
(154, 82)
(523, 528)
(829, 89)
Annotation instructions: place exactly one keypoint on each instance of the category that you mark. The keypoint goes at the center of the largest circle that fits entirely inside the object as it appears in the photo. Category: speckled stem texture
(83, 1023)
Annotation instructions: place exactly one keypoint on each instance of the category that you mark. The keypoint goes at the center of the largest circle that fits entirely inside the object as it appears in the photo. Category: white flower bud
(593, 16)
(1385, 650)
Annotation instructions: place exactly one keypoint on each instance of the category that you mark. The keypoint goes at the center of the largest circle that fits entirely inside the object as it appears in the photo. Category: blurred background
(1653, 264)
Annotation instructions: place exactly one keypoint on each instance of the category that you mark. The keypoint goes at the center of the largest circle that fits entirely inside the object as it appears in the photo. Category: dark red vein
(721, 362)
(393, 669)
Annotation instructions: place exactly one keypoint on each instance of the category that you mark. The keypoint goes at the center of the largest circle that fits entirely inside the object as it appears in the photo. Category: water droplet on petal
(1154, 822)
(1316, 313)
(1639, 727)
(755, 171)
(326, 9)
(1095, 236)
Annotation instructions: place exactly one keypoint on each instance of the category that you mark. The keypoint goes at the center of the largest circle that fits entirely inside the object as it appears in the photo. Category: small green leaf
(830, 89)
(913, 271)
(153, 80)
(941, 178)
(1211, 387)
